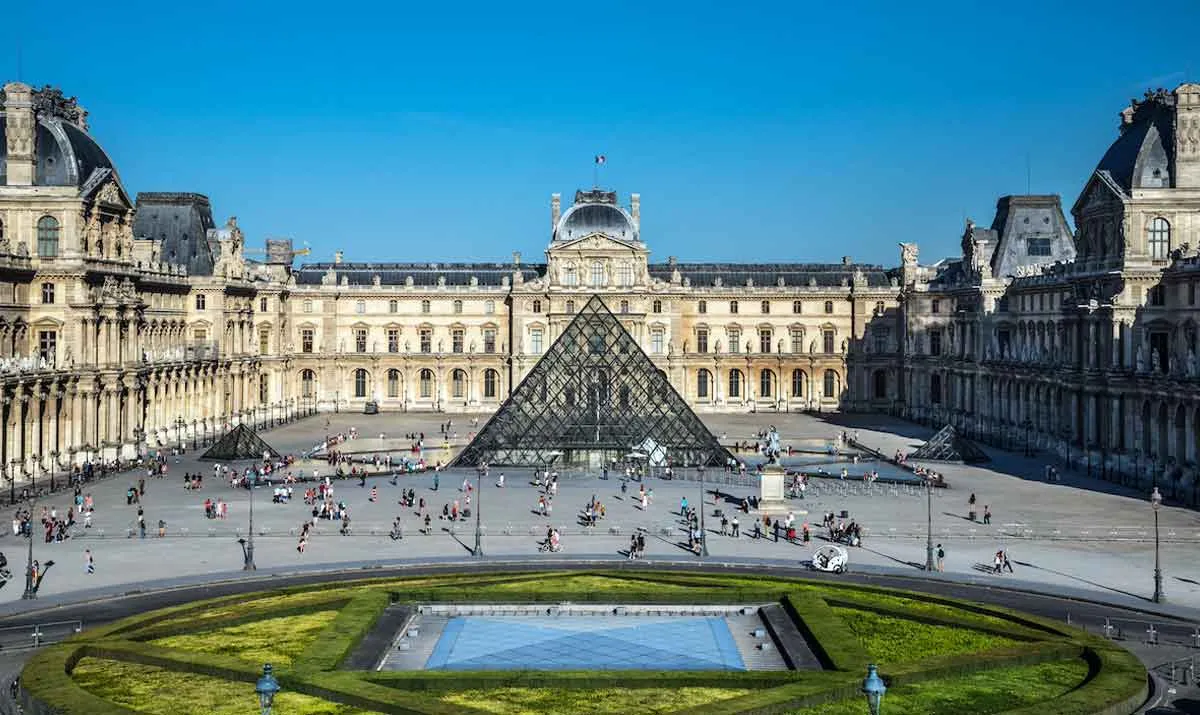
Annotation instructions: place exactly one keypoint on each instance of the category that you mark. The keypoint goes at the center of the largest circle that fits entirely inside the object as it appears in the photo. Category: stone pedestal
(771, 489)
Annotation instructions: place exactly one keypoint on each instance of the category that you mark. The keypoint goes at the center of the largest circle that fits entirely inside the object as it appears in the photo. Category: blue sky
(754, 131)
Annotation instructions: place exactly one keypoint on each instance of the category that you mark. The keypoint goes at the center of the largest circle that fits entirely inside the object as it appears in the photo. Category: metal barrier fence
(37, 634)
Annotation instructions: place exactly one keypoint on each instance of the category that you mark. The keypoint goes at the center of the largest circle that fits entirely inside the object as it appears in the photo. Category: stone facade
(127, 324)
(1086, 350)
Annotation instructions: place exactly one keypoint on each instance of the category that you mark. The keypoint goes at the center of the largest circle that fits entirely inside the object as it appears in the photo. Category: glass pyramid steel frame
(594, 397)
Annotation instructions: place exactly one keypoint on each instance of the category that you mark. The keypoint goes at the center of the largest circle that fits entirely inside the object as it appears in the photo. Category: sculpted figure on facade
(1155, 360)
(908, 254)
(1191, 363)
(1139, 359)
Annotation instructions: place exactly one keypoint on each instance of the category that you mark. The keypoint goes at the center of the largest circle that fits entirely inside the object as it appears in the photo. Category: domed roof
(595, 215)
(65, 154)
(1140, 157)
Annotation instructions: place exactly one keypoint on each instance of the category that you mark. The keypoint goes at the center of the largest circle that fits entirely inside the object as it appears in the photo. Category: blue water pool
(585, 643)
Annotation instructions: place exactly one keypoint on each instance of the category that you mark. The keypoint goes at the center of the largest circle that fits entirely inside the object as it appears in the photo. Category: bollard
(1152, 636)
(37, 636)
(1196, 638)
(1108, 629)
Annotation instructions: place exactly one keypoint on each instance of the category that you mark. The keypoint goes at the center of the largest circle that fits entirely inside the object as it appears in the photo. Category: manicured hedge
(831, 640)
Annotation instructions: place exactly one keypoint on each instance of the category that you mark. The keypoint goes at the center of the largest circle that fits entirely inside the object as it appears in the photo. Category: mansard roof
(422, 274)
(773, 274)
(181, 221)
(1141, 156)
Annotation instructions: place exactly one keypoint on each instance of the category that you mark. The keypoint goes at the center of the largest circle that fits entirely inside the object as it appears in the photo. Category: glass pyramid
(594, 397)
(239, 443)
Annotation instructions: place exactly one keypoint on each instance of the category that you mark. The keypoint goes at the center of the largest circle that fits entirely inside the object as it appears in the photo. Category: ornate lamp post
(266, 688)
(477, 552)
(247, 544)
(1155, 503)
(703, 534)
(30, 586)
(874, 688)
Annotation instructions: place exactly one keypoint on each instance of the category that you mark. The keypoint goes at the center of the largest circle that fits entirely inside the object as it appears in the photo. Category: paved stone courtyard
(1077, 533)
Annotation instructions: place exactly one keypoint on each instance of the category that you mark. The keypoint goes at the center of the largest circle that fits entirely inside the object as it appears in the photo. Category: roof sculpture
(593, 396)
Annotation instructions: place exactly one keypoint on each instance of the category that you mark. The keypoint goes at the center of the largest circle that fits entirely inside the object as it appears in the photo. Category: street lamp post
(247, 544)
(30, 587)
(266, 688)
(478, 551)
(928, 524)
(1155, 503)
(874, 688)
(703, 493)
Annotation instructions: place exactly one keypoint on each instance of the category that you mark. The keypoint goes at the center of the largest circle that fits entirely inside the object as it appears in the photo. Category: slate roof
(768, 274)
(181, 222)
(699, 274)
(1150, 138)
(423, 274)
(65, 154)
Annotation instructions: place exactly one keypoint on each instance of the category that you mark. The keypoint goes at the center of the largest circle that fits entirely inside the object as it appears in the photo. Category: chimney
(337, 257)
(517, 259)
(1187, 136)
(635, 210)
(19, 130)
(555, 211)
(846, 260)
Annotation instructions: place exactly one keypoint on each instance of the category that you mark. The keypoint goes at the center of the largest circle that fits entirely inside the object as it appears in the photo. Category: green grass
(273, 640)
(608, 701)
(992, 691)
(151, 690)
(889, 640)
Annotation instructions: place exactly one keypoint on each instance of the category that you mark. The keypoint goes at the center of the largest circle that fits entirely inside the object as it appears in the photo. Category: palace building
(128, 323)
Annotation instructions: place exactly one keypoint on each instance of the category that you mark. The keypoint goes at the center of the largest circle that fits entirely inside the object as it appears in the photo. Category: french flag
(600, 159)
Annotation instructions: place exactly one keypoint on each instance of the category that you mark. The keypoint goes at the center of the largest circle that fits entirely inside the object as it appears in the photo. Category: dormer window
(597, 274)
(570, 278)
(1159, 239)
(1038, 246)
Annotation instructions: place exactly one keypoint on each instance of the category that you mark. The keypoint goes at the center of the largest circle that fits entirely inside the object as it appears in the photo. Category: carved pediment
(593, 242)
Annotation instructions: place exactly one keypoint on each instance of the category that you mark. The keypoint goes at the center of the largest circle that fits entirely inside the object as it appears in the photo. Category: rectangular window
(456, 340)
(935, 306)
(426, 340)
(797, 342)
(47, 345)
(47, 293)
(393, 306)
(200, 301)
(360, 340)
(393, 335)
(1192, 293)
(735, 341)
(702, 340)
(306, 340)
(797, 307)
(489, 340)
(200, 334)
(733, 307)
(702, 307)
(764, 341)
(827, 340)
(264, 342)
(262, 305)
(935, 342)
(1158, 296)
(881, 341)
(656, 342)
(535, 341)
(1038, 246)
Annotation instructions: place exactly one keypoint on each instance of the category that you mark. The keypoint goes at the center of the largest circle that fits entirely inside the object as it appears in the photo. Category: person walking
(987, 514)
(941, 557)
(734, 524)
(89, 563)
(971, 507)
(1005, 562)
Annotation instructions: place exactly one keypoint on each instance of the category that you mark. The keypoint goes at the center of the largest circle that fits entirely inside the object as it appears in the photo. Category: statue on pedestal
(770, 450)
(1139, 359)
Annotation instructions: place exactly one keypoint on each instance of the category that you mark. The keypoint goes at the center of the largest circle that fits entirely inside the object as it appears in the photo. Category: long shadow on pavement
(1081, 580)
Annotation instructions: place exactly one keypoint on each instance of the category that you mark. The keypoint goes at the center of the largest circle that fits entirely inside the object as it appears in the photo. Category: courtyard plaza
(1075, 534)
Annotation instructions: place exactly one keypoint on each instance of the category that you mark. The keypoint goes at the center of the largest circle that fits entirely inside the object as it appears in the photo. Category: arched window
(829, 306)
(765, 306)
(489, 307)
(537, 306)
(360, 383)
(47, 237)
(625, 274)
(426, 380)
(425, 307)
(797, 307)
(458, 384)
(798, 383)
(880, 384)
(491, 378)
(458, 307)
(308, 382)
(360, 307)
(1159, 239)
(570, 306)
(597, 274)
(656, 306)
(570, 278)
(393, 383)
(393, 306)
(703, 379)
(831, 383)
(735, 383)
(733, 307)
(766, 384)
